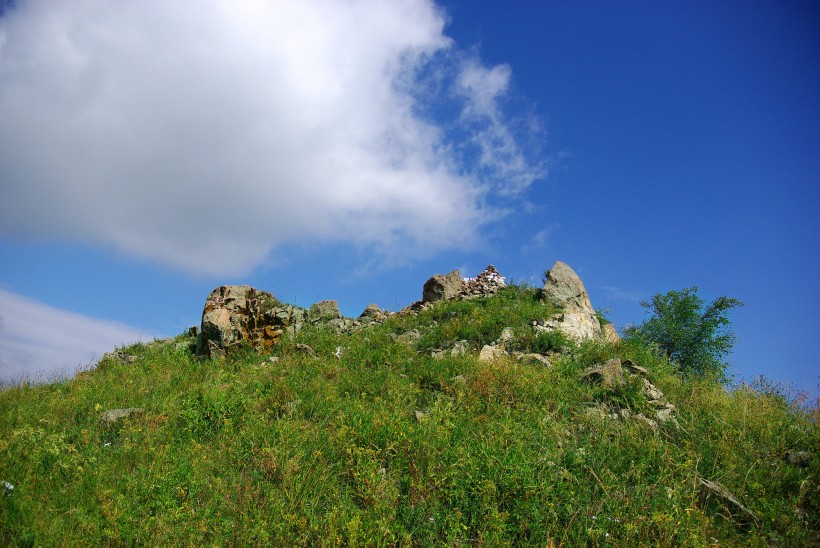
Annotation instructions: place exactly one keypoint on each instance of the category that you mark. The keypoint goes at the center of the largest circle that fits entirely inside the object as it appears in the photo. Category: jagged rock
(442, 287)
(507, 335)
(610, 334)
(651, 391)
(565, 290)
(325, 310)
(193, 331)
(490, 353)
(485, 284)
(112, 416)
(372, 311)
(609, 374)
(233, 314)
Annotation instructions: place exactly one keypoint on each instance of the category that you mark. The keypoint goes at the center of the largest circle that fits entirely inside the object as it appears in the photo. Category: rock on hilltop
(238, 314)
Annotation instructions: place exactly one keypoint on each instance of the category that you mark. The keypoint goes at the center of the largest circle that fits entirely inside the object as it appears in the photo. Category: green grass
(320, 450)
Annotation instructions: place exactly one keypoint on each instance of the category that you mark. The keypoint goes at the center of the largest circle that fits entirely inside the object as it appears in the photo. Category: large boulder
(234, 314)
(565, 290)
(442, 287)
(325, 310)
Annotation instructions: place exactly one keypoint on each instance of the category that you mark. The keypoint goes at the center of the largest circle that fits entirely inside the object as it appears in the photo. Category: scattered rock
(507, 335)
(609, 374)
(120, 356)
(420, 416)
(325, 310)
(533, 358)
(565, 290)
(799, 458)
(460, 348)
(305, 349)
(634, 368)
(651, 392)
(409, 337)
(442, 287)
(373, 312)
(112, 416)
(712, 488)
(490, 353)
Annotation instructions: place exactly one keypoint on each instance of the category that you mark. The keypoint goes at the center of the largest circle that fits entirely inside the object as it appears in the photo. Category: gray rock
(628, 365)
(539, 359)
(460, 348)
(711, 488)
(372, 311)
(305, 349)
(112, 416)
(120, 356)
(799, 458)
(565, 290)
(442, 287)
(324, 311)
(609, 374)
(420, 416)
(490, 353)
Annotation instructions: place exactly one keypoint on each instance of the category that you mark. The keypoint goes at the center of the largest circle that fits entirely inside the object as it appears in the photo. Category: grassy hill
(370, 440)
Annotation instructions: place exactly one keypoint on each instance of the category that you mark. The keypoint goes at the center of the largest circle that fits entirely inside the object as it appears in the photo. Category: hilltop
(483, 414)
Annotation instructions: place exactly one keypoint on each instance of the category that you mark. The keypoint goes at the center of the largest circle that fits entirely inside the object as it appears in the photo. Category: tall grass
(385, 445)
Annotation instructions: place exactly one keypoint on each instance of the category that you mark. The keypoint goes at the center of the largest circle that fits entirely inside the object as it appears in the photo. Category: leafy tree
(698, 340)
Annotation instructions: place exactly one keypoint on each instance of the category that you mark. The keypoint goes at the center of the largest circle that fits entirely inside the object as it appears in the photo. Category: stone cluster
(240, 314)
(613, 374)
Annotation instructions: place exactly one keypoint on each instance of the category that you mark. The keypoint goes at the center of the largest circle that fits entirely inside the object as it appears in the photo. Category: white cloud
(204, 134)
(38, 341)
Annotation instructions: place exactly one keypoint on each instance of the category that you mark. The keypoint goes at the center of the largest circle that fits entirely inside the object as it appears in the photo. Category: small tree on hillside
(698, 340)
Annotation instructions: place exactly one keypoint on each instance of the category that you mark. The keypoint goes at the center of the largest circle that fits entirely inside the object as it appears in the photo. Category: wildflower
(338, 352)
(107, 444)
(9, 487)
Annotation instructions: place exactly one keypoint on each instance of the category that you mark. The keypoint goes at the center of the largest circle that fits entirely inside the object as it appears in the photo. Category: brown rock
(233, 314)
(442, 287)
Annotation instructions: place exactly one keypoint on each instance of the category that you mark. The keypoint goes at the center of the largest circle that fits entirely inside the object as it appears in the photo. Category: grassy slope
(325, 450)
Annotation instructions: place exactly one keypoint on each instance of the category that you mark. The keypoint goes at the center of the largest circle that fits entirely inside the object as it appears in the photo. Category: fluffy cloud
(203, 134)
(38, 341)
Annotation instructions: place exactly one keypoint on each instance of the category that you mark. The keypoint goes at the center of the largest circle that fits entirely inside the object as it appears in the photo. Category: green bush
(698, 340)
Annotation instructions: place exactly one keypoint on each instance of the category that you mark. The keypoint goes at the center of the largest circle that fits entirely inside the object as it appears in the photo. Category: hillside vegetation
(370, 440)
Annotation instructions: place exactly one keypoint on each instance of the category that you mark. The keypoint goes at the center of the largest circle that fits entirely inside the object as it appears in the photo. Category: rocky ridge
(240, 314)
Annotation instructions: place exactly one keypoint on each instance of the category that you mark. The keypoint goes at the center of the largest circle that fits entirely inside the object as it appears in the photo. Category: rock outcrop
(442, 287)
(234, 314)
(613, 374)
(565, 290)
(325, 310)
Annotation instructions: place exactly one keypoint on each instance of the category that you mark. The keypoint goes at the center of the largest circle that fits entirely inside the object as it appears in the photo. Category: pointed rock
(565, 290)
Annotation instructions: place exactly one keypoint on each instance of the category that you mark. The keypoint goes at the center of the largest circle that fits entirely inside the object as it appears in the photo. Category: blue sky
(327, 150)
